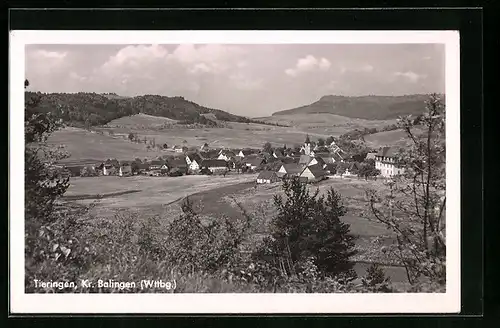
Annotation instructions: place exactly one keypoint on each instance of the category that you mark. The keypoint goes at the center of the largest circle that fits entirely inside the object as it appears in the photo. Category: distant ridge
(365, 107)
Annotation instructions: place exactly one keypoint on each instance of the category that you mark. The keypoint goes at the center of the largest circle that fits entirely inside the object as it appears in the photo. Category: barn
(267, 177)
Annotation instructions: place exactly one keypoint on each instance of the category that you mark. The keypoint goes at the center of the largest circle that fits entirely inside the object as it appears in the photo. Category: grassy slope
(82, 144)
(367, 107)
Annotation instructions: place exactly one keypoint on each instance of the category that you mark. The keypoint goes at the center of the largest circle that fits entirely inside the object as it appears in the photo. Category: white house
(386, 162)
(313, 173)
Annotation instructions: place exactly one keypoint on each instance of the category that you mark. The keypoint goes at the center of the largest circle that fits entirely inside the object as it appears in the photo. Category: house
(290, 170)
(267, 177)
(209, 154)
(370, 156)
(330, 168)
(313, 173)
(125, 170)
(226, 155)
(254, 162)
(335, 148)
(178, 149)
(305, 160)
(245, 152)
(386, 162)
(156, 164)
(352, 169)
(214, 165)
(193, 161)
(178, 164)
(278, 153)
(74, 171)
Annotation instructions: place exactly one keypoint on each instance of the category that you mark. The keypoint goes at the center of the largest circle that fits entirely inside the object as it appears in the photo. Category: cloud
(411, 76)
(307, 64)
(50, 54)
(242, 82)
(362, 68)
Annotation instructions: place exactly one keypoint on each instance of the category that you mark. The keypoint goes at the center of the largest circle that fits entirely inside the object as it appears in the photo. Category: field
(389, 138)
(216, 196)
(82, 144)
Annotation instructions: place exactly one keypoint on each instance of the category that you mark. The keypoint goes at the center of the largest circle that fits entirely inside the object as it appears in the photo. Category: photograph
(237, 167)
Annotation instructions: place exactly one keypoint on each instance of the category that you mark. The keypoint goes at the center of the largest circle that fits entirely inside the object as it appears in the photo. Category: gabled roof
(292, 168)
(213, 163)
(316, 170)
(157, 162)
(320, 160)
(256, 161)
(305, 159)
(209, 154)
(337, 157)
(246, 152)
(278, 153)
(178, 162)
(143, 166)
(332, 168)
(266, 175)
(194, 157)
(387, 152)
(228, 153)
(370, 156)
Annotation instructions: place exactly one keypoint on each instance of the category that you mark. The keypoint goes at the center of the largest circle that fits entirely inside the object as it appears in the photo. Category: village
(310, 163)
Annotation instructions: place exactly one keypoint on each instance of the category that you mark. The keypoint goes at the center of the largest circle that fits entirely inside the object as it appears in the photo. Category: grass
(82, 144)
(389, 138)
(147, 195)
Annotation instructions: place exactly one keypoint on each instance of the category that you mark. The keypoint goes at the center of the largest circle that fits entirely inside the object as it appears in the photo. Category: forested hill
(91, 109)
(365, 107)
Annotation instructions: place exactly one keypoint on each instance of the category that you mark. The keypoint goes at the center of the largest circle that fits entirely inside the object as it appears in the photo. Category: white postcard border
(20, 302)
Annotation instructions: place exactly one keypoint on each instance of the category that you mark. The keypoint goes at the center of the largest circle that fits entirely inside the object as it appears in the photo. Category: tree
(44, 183)
(165, 146)
(329, 140)
(413, 205)
(368, 169)
(321, 142)
(308, 226)
(268, 148)
(131, 136)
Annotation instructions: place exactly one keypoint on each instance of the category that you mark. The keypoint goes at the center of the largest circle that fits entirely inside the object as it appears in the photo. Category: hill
(92, 109)
(363, 107)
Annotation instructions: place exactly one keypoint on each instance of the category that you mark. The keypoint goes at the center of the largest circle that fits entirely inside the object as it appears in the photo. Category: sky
(250, 80)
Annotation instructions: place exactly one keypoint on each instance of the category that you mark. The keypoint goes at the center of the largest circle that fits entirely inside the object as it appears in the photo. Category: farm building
(245, 152)
(290, 170)
(214, 165)
(193, 161)
(313, 173)
(254, 162)
(330, 168)
(386, 162)
(125, 170)
(74, 171)
(305, 160)
(179, 164)
(209, 154)
(353, 169)
(156, 164)
(226, 155)
(277, 153)
(267, 177)
(370, 156)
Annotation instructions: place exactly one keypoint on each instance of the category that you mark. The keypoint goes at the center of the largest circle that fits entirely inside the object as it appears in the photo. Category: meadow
(217, 196)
